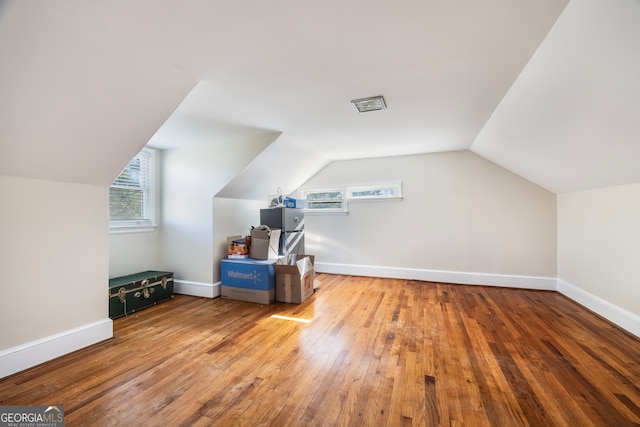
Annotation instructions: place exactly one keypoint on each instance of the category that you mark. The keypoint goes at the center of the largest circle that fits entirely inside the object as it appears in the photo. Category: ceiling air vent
(373, 103)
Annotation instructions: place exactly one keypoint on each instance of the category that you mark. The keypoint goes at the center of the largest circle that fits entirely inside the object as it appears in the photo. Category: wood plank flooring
(375, 352)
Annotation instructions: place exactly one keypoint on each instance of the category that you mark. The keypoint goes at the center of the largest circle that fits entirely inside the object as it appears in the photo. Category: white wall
(192, 176)
(134, 252)
(55, 261)
(460, 213)
(232, 217)
(599, 247)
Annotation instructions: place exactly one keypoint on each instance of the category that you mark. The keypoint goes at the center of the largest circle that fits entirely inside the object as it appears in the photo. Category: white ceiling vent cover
(373, 103)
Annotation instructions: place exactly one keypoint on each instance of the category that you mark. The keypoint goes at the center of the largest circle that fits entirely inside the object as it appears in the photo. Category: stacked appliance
(291, 223)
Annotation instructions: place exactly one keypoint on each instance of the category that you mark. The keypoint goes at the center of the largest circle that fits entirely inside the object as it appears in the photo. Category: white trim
(196, 289)
(508, 281)
(130, 228)
(617, 315)
(626, 320)
(321, 212)
(33, 353)
(364, 200)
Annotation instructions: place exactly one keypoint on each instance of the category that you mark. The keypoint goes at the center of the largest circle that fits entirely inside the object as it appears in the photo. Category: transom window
(335, 199)
(377, 191)
(326, 200)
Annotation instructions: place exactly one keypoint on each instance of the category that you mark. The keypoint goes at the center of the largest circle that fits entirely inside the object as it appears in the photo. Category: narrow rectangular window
(325, 200)
(131, 195)
(375, 192)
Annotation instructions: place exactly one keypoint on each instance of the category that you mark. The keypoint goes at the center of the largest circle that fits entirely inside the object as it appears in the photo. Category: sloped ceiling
(96, 80)
(76, 102)
(571, 121)
(284, 166)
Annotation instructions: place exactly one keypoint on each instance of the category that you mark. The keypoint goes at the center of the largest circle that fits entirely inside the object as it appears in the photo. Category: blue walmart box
(248, 280)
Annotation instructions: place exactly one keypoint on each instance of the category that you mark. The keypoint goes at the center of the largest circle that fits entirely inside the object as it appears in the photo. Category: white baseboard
(617, 315)
(196, 289)
(33, 353)
(509, 281)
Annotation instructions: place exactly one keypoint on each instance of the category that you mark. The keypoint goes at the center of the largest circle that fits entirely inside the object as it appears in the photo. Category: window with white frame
(325, 200)
(387, 191)
(335, 199)
(131, 195)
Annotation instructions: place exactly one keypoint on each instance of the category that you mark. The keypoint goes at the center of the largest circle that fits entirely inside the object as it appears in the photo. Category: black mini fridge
(291, 223)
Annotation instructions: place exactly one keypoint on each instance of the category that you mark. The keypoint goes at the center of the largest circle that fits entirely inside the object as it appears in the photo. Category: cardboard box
(294, 278)
(264, 244)
(248, 280)
(249, 295)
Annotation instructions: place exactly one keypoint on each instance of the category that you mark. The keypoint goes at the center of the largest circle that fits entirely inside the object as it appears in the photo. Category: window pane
(376, 191)
(132, 175)
(380, 192)
(328, 195)
(131, 194)
(328, 200)
(126, 204)
(325, 205)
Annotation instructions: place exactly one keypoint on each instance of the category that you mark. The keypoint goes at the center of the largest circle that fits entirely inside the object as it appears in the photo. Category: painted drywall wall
(232, 217)
(599, 243)
(54, 258)
(191, 177)
(133, 252)
(459, 213)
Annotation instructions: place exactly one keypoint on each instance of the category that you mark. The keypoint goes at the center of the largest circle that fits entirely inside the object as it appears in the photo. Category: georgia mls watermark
(32, 416)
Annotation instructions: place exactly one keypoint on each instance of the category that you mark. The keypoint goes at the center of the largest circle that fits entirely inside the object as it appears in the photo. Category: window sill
(318, 212)
(132, 228)
(375, 199)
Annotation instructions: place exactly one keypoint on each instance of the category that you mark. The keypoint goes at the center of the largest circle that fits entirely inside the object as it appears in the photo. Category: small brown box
(294, 278)
(264, 243)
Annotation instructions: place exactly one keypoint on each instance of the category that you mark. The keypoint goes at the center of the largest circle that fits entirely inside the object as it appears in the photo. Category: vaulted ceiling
(545, 89)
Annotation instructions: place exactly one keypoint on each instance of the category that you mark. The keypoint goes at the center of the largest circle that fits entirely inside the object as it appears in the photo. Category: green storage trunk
(137, 291)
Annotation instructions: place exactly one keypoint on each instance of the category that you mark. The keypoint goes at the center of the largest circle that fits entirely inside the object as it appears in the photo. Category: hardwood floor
(373, 352)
